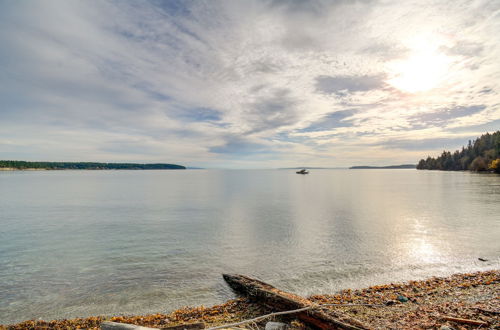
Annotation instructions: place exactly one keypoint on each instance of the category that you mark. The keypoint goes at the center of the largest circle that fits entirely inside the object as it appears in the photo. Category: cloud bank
(246, 84)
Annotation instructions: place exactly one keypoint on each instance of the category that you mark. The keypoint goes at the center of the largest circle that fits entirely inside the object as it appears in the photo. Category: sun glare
(426, 68)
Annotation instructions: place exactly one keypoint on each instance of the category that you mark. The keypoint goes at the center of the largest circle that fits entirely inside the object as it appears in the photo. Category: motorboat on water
(303, 171)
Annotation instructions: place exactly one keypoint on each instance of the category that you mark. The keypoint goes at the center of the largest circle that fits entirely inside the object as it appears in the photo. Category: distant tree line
(482, 154)
(18, 164)
(404, 166)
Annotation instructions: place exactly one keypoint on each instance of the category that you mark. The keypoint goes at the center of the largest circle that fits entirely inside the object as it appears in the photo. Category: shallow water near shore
(79, 243)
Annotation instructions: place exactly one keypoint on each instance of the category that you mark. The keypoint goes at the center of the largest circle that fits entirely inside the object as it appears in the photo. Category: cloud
(342, 85)
(238, 83)
(427, 144)
(199, 115)
(490, 126)
(331, 121)
(465, 48)
(277, 110)
(240, 146)
(444, 116)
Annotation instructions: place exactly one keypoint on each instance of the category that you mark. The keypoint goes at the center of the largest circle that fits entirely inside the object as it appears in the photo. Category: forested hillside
(482, 154)
(17, 164)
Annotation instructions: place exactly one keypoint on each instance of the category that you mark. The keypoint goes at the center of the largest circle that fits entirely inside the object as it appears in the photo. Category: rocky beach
(462, 301)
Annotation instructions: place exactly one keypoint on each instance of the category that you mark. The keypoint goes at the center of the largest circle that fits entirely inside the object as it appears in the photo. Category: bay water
(81, 243)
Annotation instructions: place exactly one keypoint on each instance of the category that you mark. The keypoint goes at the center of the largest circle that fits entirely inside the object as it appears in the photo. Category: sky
(246, 84)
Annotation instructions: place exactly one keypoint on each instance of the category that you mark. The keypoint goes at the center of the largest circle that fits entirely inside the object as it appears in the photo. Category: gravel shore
(436, 303)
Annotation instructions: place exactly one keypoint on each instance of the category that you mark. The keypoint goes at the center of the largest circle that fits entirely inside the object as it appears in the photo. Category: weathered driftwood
(271, 297)
(125, 326)
(465, 321)
(188, 326)
(121, 326)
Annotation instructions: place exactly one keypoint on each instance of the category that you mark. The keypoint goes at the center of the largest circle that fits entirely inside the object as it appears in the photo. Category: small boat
(303, 171)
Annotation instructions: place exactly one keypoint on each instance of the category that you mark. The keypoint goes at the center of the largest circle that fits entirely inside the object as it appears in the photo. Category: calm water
(76, 243)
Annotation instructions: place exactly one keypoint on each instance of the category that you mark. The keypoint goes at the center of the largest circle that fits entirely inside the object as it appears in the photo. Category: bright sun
(426, 68)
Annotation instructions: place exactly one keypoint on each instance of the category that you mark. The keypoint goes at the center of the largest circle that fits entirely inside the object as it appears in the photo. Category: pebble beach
(462, 301)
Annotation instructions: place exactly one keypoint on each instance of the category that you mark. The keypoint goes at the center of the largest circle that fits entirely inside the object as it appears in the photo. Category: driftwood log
(465, 321)
(276, 299)
(121, 326)
(124, 326)
(188, 326)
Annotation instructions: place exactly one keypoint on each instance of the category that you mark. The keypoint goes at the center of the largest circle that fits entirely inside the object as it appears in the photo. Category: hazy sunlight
(425, 68)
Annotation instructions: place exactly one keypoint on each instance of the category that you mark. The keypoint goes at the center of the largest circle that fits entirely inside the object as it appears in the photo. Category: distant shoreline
(13, 165)
(404, 166)
(6, 169)
(21, 169)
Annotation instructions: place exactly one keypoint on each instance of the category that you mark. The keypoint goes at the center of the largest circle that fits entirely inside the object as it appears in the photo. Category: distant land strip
(24, 165)
(382, 167)
(312, 168)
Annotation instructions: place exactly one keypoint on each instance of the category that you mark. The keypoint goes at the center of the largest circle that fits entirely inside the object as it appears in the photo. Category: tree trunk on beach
(121, 326)
(276, 299)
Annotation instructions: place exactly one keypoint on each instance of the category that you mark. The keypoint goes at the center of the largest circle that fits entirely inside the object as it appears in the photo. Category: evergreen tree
(480, 155)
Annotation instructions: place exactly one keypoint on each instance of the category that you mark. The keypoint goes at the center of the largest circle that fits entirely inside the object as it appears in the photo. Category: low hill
(23, 165)
(382, 167)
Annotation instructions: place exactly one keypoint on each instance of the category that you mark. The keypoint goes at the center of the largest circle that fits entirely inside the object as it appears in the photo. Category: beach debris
(269, 296)
(466, 321)
(187, 326)
(487, 311)
(482, 259)
(121, 326)
(446, 327)
(402, 298)
(472, 296)
(276, 326)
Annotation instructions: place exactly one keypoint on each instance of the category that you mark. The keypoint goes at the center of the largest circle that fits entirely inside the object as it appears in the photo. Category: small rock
(275, 326)
(446, 327)
(390, 302)
(402, 298)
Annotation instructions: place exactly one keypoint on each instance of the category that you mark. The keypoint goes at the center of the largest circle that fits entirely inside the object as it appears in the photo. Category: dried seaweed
(473, 296)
